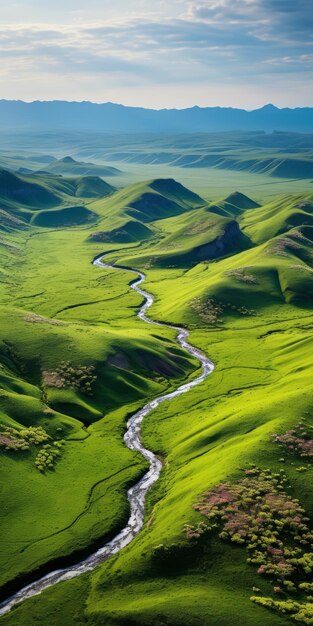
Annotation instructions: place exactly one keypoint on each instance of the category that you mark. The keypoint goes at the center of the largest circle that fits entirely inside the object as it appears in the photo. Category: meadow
(231, 259)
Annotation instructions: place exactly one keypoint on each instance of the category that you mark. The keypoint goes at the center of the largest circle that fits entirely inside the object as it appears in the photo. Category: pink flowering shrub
(256, 512)
(297, 441)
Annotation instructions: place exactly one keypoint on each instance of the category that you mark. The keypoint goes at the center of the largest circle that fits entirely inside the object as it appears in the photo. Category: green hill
(197, 234)
(171, 189)
(91, 187)
(131, 231)
(152, 200)
(31, 198)
(160, 199)
(68, 166)
(9, 222)
(185, 240)
(76, 361)
(252, 281)
(233, 205)
(81, 186)
(26, 192)
(293, 168)
(144, 203)
(278, 216)
(300, 167)
(60, 218)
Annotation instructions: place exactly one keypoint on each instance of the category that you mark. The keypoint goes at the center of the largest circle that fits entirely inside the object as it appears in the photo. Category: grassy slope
(69, 167)
(48, 201)
(261, 383)
(77, 305)
(164, 157)
(126, 217)
(278, 216)
(187, 239)
(207, 437)
(147, 201)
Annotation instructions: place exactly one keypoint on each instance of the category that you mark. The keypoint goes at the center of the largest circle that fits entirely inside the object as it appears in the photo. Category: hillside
(278, 217)
(46, 200)
(72, 369)
(188, 239)
(67, 166)
(227, 533)
(222, 162)
(233, 206)
(271, 161)
(144, 203)
(26, 192)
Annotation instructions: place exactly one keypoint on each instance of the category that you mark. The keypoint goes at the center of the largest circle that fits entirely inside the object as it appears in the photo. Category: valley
(226, 249)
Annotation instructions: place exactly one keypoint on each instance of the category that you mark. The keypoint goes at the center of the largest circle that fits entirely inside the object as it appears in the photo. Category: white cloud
(226, 42)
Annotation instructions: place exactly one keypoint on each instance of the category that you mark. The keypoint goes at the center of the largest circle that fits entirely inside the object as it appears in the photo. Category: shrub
(257, 513)
(12, 439)
(48, 455)
(297, 441)
(80, 378)
(240, 275)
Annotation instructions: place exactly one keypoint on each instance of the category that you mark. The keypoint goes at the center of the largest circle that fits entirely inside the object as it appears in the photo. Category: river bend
(136, 494)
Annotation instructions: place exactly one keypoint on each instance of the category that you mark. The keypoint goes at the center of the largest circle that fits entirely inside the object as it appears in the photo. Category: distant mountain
(118, 118)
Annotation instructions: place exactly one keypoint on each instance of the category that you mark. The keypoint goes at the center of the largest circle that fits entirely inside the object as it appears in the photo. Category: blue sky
(172, 53)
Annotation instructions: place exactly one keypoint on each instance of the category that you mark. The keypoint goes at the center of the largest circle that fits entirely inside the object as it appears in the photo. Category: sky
(158, 54)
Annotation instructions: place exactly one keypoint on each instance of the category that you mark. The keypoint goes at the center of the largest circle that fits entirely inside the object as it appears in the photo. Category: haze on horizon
(240, 53)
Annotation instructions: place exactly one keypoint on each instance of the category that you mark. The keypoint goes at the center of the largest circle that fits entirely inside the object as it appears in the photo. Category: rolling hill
(47, 200)
(278, 217)
(191, 238)
(76, 362)
(234, 205)
(67, 166)
(144, 203)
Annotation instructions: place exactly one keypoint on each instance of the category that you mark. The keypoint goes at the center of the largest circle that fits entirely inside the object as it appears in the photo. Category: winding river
(136, 494)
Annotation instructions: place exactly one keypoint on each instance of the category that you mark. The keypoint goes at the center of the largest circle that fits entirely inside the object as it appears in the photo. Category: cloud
(223, 12)
(280, 18)
(231, 41)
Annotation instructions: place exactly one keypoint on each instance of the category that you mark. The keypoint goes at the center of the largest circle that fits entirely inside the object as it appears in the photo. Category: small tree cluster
(299, 611)
(48, 455)
(211, 311)
(14, 439)
(297, 440)
(242, 276)
(34, 318)
(201, 529)
(256, 512)
(80, 378)
(208, 310)
(303, 268)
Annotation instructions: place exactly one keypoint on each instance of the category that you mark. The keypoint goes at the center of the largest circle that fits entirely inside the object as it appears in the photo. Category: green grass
(250, 310)
(278, 216)
(47, 201)
(205, 438)
(58, 218)
(185, 240)
(58, 307)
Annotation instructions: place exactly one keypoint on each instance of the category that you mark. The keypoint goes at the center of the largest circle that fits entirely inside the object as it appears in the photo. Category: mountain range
(16, 114)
